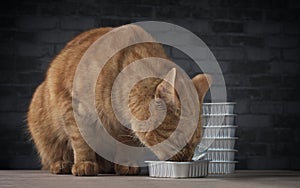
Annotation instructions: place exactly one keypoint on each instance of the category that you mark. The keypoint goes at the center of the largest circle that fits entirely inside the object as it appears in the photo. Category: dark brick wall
(256, 43)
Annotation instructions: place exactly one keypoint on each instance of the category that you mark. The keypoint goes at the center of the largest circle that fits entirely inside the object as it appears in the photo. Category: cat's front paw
(85, 168)
(61, 167)
(126, 170)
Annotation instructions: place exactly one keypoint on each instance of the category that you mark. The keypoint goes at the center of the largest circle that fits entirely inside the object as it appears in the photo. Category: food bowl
(220, 154)
(221, 167)
(218, 119)
(219, 131)
(218, 108)
(170, 169)
(219, 143)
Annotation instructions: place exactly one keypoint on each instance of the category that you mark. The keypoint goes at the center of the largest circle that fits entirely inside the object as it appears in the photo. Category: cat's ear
(202, 83)
(166, 91)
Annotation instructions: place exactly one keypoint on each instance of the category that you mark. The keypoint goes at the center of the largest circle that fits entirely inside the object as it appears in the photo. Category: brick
(14, 90)
(34, 50)
(195, 70)
(277, 148)
(281, 42)
(286, 121)
(222, 41)
(258, 54)
(254, 121)
(57, 8)
(21, 162)
(244, 68)
(12, 120)
(295, 134)
(276, 135)
(56, 36)
(27, 8)
(291, 107)
(7, 77)
(246, 134)
(231, 27)
(143, 11)
(266, 80)
(220, 3)
(13, 135)
(291, 81)
(236, 80)
(8, 8)
(7, 62)
(24, 63)
(6, 48)
(252, 149)
(291, 54)
(247, 41)
(171, 12)
(270, 163)
(286, 94)
(77, 23)
(219, 13)
(281, 15)
(184, 64)
(242, 106)
(14, 104)
(243, 93)
(25, 36)
(30, 77)
(291, 28)
(37, 23)
(7, 35)
(289, 68)
(262, 28)
(86, 9)
(175, 38)
(245, 14)
(113, 22)
(293, 4)
(228, 53)
(263, 107)
(201, 13)
(7, 22)
(107, 10)
(200, 26)
(198, 53)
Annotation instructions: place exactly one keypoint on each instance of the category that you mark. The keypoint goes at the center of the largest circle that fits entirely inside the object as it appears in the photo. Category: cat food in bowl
(218, 108)
(170, 169)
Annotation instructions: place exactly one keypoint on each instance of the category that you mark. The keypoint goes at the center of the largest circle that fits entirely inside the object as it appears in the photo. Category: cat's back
(62, 69)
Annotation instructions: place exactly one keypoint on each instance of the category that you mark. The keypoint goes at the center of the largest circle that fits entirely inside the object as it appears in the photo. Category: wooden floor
(243, 179)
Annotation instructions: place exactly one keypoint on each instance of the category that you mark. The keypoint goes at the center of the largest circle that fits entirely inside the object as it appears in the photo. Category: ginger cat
(51, 121)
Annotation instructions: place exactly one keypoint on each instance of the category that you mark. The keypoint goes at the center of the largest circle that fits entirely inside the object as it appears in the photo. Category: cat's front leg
(85, 162)
(127, 167)
(126, 170)
(84, 157)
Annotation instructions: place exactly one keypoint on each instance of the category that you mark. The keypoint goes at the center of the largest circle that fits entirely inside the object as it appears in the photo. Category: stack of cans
(219, 139)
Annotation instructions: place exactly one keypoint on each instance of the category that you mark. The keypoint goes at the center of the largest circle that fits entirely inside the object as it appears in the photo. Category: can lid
(220, 103)
(219, 138)
(218, 115)
(223, 150)
(223, 161)
(220, 126)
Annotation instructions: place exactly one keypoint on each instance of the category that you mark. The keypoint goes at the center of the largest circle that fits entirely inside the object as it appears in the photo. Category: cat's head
(166, 99)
